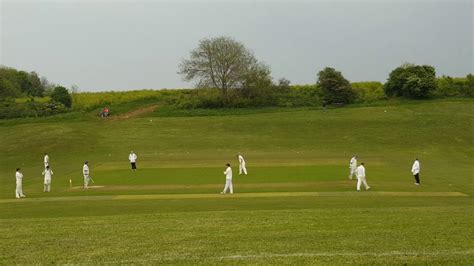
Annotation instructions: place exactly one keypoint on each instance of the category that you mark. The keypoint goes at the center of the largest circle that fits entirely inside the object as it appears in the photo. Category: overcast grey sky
(120, 45)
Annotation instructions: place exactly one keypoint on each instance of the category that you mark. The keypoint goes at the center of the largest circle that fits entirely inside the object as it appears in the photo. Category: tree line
(16, 84)
(227, 74)
(225, 64)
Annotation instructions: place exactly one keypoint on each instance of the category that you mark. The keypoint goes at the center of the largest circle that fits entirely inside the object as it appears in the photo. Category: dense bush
(449, 87)
(60, 94)
(368, 91)
(335, 88)
(15, 83)
(91, 100)
(411, 81)
(11, 109)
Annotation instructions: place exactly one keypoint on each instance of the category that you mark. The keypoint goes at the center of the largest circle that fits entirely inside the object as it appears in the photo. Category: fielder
(19, 186)
(47, 179)
(352, 167)
(361, 177)
(228, 180)
(415, 169)
(133, 160)
(46, 160)
(85, 172)
(242, 167)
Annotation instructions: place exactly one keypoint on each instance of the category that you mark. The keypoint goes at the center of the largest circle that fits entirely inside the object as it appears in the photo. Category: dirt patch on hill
(135, 113)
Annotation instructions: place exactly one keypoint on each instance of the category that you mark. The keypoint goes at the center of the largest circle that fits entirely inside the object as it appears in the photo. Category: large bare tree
(220, 62)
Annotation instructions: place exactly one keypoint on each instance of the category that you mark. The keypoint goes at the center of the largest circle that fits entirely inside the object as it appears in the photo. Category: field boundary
(241, 195)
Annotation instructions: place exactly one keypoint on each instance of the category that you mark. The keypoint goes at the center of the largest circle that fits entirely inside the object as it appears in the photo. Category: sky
(127, 45)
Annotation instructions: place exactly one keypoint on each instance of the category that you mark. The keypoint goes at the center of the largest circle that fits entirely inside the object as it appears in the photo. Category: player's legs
(417, 178)
(86, 181)
(226, 186)
(17, 191)
(364, 181)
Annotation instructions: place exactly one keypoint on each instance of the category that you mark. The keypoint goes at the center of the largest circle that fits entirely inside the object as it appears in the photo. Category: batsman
(85, 172)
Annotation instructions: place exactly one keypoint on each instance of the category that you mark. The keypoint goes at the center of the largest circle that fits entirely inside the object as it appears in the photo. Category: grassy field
(296, 206)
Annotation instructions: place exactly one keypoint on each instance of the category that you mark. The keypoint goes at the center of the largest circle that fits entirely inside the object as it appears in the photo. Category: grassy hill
(182, 153)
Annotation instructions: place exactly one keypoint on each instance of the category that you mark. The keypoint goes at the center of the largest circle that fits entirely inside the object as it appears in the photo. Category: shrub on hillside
(61, 95)
(16, 83)
(411, 81)
(335, 88)
(369, 91)
(12, 109)
(468, 88)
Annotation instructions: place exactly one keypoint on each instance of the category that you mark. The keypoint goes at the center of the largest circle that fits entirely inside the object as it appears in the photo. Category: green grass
(287, 150)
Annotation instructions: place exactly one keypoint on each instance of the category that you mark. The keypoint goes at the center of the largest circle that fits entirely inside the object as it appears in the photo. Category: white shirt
(415, 169)
(228, 173)
(132, 157)
(353, 163)
(360, 171)
(19, 177)
(85, 169)
(241, 160)
(47, 173)
(46, 159)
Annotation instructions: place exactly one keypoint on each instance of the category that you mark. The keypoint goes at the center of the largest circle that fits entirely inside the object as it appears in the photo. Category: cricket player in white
(19, 185)
(133, 160)
(352, 166)
(46, 160)
(360, 173)
(242, 165)
(415, 169)
(228, 180)
(85, 172)
(47, 179)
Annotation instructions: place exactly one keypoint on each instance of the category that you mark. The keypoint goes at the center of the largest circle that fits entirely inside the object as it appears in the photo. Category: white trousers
(47, 185)
(86, 181)
(242, 169)
(228, 185)
(19, 191)
(352, 173)
(363, 181)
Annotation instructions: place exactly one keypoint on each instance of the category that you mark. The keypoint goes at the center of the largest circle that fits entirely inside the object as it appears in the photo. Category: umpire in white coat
(19, 184)
(133, 160)
(228, 180)
(415, 170)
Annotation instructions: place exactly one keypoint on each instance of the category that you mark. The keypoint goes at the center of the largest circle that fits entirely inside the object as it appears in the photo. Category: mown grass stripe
(242, 195)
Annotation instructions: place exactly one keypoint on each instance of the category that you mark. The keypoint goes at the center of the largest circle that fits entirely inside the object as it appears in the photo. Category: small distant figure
(85, 172)
(48, 173)
(415, 169)
(242, 167)
(133, 160)
(46, 160)
(361, 177)
(105, 112)
(352, 167)
(228, 180)
(325, 106)
(19, 184)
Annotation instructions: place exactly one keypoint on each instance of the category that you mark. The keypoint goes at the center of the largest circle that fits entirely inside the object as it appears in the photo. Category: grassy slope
(186, 154)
